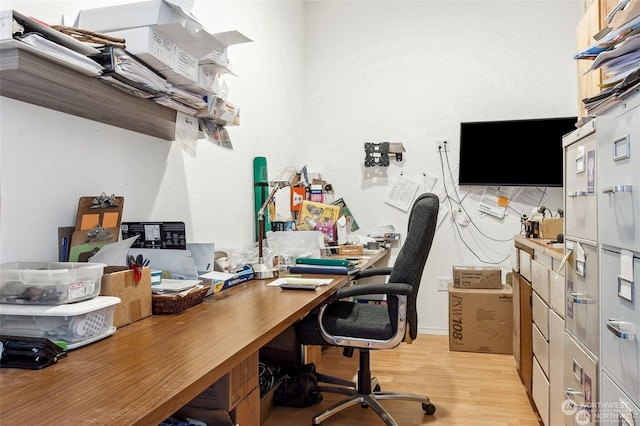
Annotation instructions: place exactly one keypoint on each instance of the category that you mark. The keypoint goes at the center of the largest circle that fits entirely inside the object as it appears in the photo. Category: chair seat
(349, 319)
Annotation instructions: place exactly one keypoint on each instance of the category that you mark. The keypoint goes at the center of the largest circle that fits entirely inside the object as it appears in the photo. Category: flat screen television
(524, 152)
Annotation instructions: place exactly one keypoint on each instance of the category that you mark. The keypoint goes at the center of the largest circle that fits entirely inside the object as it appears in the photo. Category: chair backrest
(411, 259)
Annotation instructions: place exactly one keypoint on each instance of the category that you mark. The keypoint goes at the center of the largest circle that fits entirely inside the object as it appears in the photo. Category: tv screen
(513, 152)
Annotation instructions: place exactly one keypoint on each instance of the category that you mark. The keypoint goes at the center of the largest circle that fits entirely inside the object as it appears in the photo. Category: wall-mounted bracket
(377, 154)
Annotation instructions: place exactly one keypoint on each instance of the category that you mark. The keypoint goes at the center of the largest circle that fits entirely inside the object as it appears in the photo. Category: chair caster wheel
(376, 388)
(429, 408)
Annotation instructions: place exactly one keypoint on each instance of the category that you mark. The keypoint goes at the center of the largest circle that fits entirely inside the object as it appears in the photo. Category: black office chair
(348, 324)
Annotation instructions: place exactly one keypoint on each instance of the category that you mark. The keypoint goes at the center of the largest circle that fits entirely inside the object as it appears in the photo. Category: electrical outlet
(442, 145)
(443, 283)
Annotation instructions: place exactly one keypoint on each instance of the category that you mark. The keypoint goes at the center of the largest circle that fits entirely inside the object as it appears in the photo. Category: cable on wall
(461, 206)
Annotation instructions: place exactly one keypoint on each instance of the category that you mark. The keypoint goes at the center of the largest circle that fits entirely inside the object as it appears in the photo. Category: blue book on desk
(323, 269)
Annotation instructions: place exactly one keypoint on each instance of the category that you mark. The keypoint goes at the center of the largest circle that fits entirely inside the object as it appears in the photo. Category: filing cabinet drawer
(619, 180)
(540, 279)
(582, 277)
(540, 314)
(557, 295)
(581, 203)
(525, 265)
(620, 328)
(556, 363)
(540, 392)
(616, 408)
(580, 382)
(540, 349)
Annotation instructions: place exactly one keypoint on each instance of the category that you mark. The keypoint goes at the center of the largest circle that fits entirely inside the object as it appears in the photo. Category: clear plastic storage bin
(49, 283)
(76, 324)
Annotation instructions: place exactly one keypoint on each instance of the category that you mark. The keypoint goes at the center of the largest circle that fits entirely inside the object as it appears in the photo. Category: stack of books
(309, 265)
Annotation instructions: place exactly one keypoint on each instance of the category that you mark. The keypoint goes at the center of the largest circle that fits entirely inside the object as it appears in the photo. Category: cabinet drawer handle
(622, 420)
(579, 298)
(622, 329)
(575, 194)
(617, 188)
(569, 393)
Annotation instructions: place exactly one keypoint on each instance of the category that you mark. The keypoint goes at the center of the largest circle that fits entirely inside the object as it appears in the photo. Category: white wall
(411, 72)
(319, 80)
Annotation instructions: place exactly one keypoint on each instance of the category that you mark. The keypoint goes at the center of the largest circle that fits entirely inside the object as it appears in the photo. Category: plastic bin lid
(65, 310)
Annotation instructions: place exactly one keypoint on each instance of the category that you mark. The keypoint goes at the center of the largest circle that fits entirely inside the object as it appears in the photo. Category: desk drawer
(540, 349)
(540, 314)
(525, 265)
(540, 392)
(620, 329)
(557, 295)
(540, 280)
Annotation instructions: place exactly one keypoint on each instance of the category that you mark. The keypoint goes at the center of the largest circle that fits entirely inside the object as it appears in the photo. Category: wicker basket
(176, 303)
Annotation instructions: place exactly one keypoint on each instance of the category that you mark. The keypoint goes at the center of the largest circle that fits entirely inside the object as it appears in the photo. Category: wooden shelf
(30, 78)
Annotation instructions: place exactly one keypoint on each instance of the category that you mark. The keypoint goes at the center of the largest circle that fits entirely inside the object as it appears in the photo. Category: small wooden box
(349, 249)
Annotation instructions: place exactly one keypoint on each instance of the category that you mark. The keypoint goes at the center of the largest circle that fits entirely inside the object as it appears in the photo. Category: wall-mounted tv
(524, 152)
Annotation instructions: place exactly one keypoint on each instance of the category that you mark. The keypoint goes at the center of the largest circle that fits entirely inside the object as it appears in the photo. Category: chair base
(371, 400)
(366, 392)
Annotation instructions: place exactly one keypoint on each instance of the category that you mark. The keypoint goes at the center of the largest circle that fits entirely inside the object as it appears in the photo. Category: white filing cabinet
(618, 182)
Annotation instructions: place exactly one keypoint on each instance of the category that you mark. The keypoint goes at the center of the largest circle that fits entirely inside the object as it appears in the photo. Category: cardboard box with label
(481, 320)
(477, 277)
(135, 298)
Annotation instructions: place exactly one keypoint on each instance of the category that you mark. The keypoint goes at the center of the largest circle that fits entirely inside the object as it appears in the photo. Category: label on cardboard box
(481, 320)
(477, 277)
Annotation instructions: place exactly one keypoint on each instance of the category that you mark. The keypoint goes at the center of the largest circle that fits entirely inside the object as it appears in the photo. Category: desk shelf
(33, 79)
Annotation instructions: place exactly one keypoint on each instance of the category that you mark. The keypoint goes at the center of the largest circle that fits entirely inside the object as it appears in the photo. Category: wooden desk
(149, 369)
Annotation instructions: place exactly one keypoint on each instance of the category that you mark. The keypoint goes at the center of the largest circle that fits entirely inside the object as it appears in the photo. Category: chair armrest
(374, 272)
(391, 289)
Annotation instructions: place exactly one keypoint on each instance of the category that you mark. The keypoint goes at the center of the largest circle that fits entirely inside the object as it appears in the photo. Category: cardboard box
(266, 402)
(481, 320)
(135, 298)
(132, 15)
(150, 46)
(551, 227)
(477, 277)
(247, 412)
(232, 388)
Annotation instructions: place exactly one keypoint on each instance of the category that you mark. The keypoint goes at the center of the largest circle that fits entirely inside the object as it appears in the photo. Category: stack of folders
(309, 265)
(126, 72)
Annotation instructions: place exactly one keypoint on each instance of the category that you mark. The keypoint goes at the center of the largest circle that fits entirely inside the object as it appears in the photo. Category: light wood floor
(466, 388)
